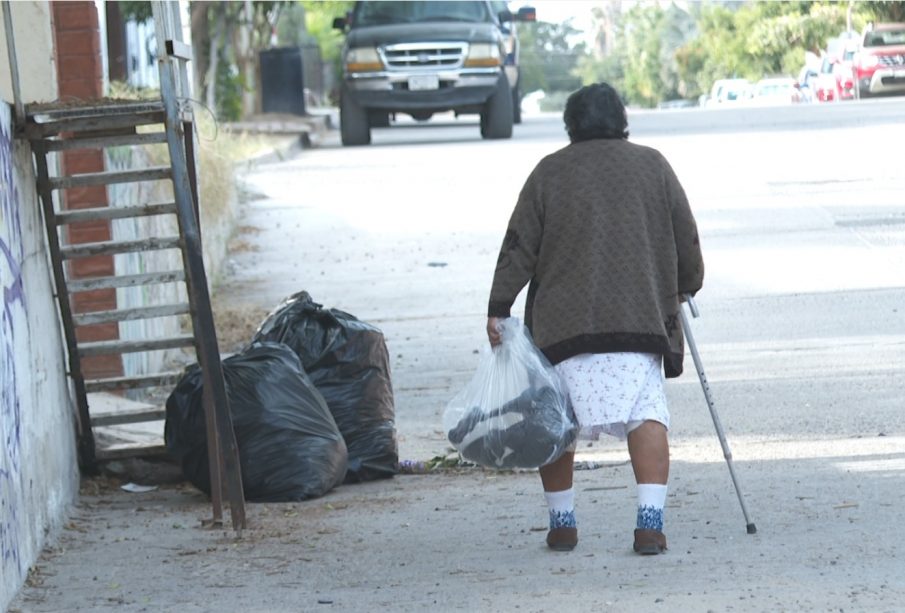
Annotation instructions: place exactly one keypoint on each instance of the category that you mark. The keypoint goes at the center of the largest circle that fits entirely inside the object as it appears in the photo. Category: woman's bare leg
(648, 447)
(557, 480)
(557, 476)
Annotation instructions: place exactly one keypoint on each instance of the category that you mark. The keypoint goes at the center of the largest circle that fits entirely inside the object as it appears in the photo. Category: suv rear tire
(354, 128)
(496, 118)
(379, 119)
(517, 104)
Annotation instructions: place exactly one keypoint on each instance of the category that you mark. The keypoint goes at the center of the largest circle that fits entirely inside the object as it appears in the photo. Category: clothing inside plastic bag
(348, 362)
(515, 412)
(289, 445)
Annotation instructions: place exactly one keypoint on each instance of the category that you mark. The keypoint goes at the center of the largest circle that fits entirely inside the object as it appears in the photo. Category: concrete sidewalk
(472, 540)
(824, 493)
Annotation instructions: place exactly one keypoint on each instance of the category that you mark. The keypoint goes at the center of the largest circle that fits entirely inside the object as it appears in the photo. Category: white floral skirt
(610, 390)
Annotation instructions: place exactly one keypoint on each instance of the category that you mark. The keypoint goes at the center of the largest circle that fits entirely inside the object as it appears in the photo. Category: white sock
(651, 500)
(562, 508)
(561, 501)
(652, 495)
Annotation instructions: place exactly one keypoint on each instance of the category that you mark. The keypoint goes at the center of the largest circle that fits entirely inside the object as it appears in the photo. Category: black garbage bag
(289, 445)
(525, 432)
(348, 362)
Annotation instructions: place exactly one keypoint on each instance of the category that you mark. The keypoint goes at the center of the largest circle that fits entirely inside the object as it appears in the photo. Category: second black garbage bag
(348, 362)
(289, 445)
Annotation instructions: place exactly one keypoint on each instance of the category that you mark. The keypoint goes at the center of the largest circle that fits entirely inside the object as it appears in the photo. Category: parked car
(836, 81)
(424, 57)
(844, 70)
(879, 63)
(775, 91)
(825, 83)
(729, 91)
(679, 103)
(807, 83)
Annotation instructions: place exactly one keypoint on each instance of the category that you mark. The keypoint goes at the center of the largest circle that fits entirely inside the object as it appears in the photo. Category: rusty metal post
(223, 451)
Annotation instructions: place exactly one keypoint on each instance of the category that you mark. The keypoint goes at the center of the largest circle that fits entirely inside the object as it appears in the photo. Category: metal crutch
(689, 300)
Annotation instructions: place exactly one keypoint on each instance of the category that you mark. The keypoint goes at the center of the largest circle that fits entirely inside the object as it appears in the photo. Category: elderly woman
(603, 235)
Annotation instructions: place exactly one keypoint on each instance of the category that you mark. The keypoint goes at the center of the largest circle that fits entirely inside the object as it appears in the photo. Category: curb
(301, 132)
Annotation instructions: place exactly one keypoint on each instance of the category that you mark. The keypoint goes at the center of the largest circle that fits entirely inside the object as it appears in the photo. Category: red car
(836, 80)
(844, 70)
(879, 64)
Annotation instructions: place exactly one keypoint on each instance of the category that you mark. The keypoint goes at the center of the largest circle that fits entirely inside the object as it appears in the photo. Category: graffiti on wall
(12, 254)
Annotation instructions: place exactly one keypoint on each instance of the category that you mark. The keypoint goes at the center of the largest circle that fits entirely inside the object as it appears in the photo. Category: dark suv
(425, 57)
(879, 64)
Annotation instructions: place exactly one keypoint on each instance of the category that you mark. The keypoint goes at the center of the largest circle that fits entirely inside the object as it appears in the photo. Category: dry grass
(235, 324)
(220, 153)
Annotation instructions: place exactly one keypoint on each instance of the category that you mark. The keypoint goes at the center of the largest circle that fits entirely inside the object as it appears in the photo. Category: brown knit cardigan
(603, 232)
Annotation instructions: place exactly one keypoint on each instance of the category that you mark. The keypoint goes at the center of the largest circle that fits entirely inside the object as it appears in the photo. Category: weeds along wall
(38, 468)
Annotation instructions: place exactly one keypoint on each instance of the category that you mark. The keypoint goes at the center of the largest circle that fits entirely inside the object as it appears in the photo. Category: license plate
(424, 82)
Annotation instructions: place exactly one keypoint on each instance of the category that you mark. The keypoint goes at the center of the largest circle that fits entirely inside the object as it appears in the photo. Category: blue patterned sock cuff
(650, 518)
(562, 519)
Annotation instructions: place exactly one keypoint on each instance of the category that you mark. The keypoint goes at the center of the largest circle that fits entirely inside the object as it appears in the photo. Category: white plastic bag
(515, 412)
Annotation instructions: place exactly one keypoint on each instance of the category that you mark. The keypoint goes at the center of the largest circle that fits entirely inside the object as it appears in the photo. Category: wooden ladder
(102, 125)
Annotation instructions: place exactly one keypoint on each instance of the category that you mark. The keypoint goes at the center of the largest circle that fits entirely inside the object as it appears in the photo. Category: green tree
(135, 10)
(643, 84)
(548, 58)
(226, 38)
(677, 28)
(644, 64)
(778, 36)
(319, 16)
(881, 11)
(661, 52)
(757, 39)
(610, 68)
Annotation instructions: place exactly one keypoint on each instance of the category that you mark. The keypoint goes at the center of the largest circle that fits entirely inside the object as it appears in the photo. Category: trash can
(282, 81)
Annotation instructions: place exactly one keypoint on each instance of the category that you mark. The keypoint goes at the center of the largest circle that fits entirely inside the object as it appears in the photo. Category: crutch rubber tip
(752, 529)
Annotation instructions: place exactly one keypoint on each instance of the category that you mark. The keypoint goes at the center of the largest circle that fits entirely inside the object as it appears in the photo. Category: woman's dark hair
(595, 111)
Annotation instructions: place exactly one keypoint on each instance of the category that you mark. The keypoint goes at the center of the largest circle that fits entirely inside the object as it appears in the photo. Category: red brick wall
(80, 76)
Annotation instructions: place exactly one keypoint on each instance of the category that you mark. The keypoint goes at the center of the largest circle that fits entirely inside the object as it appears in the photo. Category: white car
(776, 91)
(729, 91)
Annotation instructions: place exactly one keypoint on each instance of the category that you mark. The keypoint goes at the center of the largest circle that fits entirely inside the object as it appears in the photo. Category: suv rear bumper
(389, 90)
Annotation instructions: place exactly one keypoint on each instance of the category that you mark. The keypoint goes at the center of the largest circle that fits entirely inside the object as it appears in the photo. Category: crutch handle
(691, 305)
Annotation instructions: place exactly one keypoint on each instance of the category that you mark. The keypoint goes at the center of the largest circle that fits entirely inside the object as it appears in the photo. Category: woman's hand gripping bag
(515, 412)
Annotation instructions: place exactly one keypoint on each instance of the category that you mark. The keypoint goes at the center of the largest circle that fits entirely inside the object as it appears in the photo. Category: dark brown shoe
(562, 539)
(649, 542)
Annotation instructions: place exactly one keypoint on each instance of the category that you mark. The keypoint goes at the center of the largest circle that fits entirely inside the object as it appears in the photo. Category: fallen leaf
(846, 505)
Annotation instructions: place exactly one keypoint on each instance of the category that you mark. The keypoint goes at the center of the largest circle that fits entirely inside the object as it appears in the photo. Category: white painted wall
(38, 469)
(34, 39)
